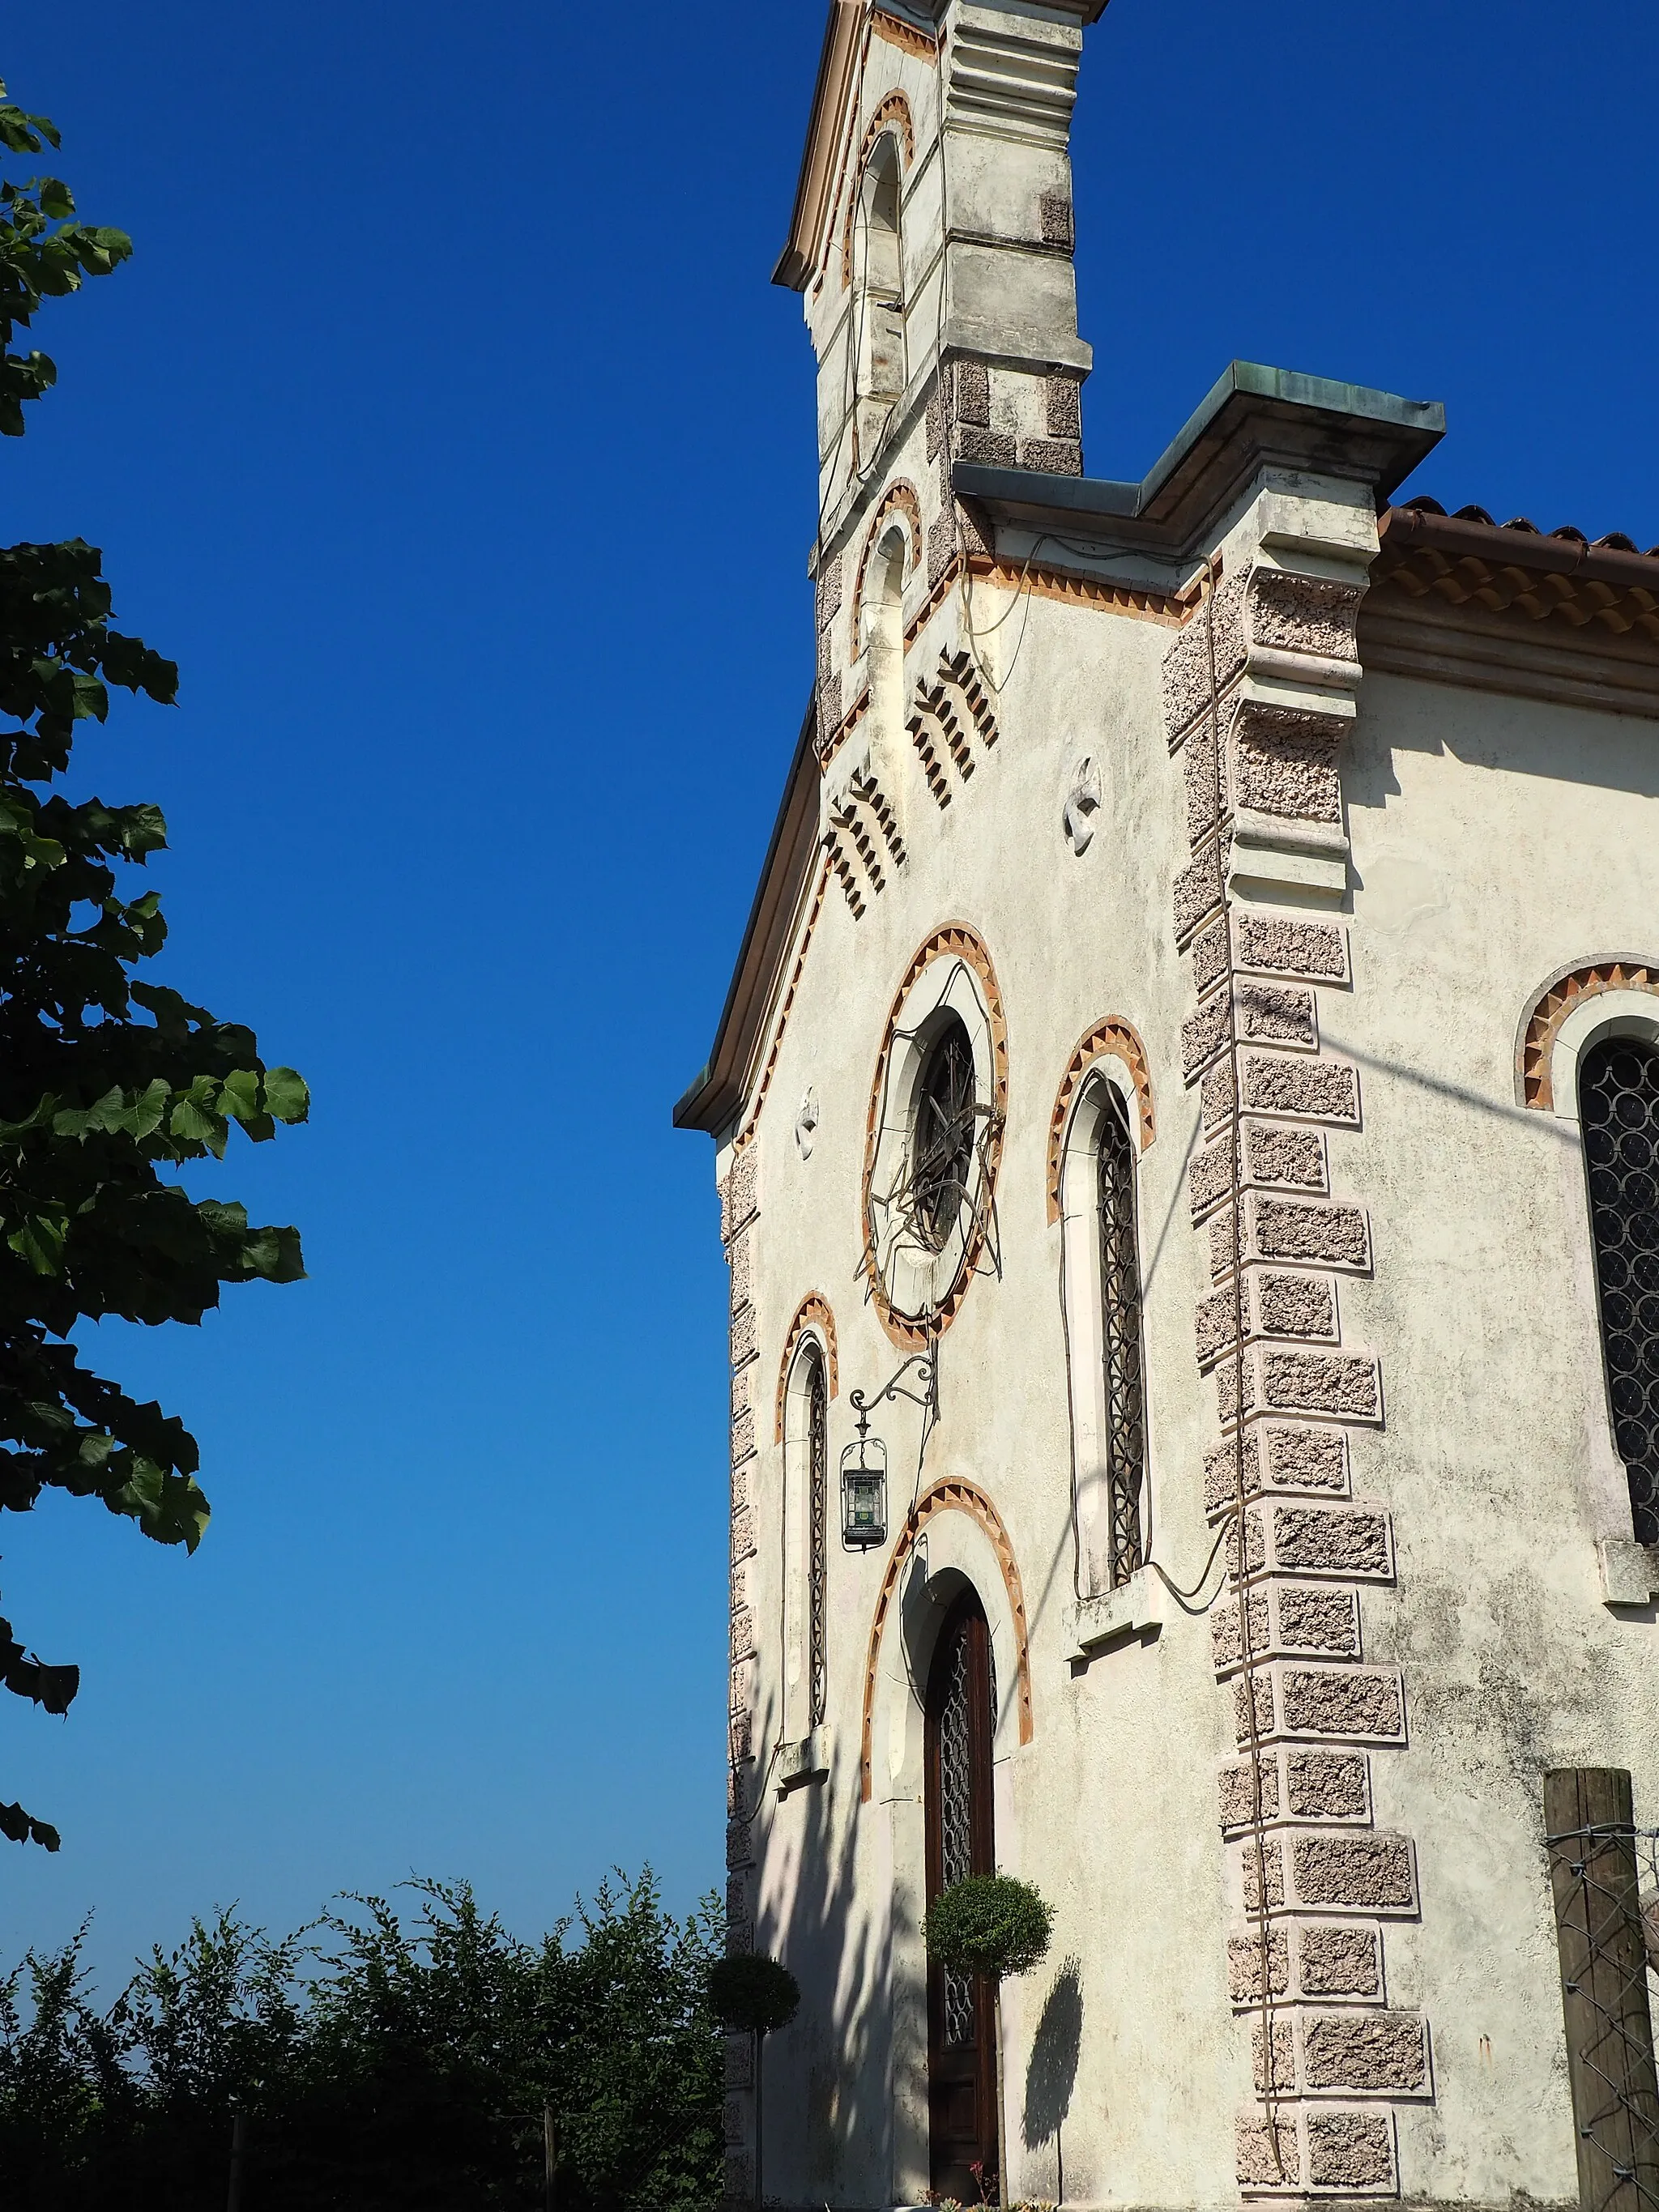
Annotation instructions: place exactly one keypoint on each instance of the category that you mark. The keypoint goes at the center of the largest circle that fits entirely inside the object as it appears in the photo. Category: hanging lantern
(864, 1493)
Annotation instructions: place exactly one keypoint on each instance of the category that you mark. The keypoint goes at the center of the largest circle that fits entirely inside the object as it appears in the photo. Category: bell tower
(932, 238)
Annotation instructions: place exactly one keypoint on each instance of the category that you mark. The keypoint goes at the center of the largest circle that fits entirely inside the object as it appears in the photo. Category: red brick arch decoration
(1112, 1039)
(953, 1495)
(814, 1317)
(1551, 1007)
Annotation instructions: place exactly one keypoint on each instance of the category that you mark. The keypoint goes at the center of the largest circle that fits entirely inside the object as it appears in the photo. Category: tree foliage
(993, 1924)
(107, 1083)
(384, 2062)
(749, 1990)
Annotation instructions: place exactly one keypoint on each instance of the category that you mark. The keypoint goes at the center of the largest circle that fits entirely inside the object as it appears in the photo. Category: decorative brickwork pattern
(952, 1496)
(814, 1318)
(1308, 1712)
(1112, 1039)
(954, 941)
(1543, 1023)
(951, 725)
(892, 116)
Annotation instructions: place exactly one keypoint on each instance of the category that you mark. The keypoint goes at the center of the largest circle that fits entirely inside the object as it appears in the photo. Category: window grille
(1120, 1294)
(955, 1805)
(818, 1510)
(1619, 1108)
(945, 1129)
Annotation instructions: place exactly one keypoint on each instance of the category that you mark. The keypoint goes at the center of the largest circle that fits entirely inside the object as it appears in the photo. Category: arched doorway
(961, 1841)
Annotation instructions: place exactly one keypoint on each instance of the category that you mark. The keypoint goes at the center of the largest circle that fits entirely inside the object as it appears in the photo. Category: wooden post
(1604, 1986)
(238, 2154)
(549, 2160)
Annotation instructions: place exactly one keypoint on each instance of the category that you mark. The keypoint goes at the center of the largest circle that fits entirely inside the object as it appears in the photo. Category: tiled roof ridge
(1615, 541)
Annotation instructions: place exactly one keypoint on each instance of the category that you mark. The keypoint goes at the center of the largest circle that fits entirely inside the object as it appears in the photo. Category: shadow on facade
(831, 2094)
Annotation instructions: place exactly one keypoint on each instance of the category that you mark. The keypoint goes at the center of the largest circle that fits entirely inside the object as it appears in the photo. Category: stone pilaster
(739, 1210)
(1258, 698)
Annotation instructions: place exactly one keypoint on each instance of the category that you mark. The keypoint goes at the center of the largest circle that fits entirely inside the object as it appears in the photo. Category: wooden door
(961, 1841)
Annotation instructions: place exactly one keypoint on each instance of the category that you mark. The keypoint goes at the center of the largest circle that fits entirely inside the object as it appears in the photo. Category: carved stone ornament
(1082, 805)
(805, 1123)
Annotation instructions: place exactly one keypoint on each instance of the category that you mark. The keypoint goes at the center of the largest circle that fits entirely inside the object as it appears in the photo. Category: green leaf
(56, 199)
(239, 1095)
(39, 1239)
(287, 1098)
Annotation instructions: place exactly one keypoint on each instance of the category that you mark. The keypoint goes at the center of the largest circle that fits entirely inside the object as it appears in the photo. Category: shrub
(750, 1990)
(992, 1925)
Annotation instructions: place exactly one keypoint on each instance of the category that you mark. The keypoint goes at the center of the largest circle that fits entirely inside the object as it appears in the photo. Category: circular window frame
(917, 1294)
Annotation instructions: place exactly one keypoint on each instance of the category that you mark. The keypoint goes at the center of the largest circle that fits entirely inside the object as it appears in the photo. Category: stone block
(739, 1487)
(1332, 1540)
(1348, 1701)
(941, 548)
(1298, 1230)
(742, 1632)
(1210, 960)
(743, 1436)
(1209, 1178)
(1058, 228)
(1354, 1868)
(1317, 952)
(1256, 1863)
(1304, 1089)
(829, 704)
(1304, 614)
(995, 449)
(1327, 1785)
(1190, 679)
(738, 1260)
(1342, 1386)
(1338, 1961)
(1285, 765)
(1266, 2152)
(1295, 1157)
(1351, 2151)
(739, 2061)
(744, 1346)
(1056, 456)
(735, 2118)
(1197, 892)
(742, 1191)
(970, 394)
(1366, 2053)
(1298, 1459)
(740, 1842)
(1198, 771)
(1277, 1013)
(1283, 2055)
(1293, 1305)
(743, 1534)
(1323, 1620)
(1237, 1791)
(828, 591)
(1244, 1965)
(742, 1395)
(1203, 1035)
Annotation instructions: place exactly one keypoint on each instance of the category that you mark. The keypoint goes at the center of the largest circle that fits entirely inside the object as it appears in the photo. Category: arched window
(805, 1539)
(943, 1133)
(1119, 1305)
(1619, 1109)
(878, 301)
(1100, 1281)
(961, 1724)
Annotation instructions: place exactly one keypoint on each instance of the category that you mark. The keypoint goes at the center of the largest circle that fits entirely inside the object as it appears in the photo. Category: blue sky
(446, 431)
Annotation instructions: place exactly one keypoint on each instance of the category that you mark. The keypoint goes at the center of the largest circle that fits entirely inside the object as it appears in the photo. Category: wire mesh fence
(1604, 1875)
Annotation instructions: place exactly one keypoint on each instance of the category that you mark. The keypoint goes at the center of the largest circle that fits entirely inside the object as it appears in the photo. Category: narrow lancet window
(1619, 1109)
(818, 1508)
(1119, 1293)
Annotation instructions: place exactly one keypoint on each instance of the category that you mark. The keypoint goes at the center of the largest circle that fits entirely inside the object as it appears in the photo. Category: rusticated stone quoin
(1328, 1785)
(1383, 2052)
(1316, 951)
(1340, 1962)
(1331, 1539)
(1356, 1868)
(1316, 1090)
(1351, 2150)
(1292, 1229)
(1347, 1701)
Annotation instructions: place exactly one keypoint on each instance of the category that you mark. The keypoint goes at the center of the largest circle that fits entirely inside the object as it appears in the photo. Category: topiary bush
(992, 1925)
(749, 1990)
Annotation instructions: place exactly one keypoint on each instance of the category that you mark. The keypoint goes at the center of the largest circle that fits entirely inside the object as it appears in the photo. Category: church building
(1185, 1119)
